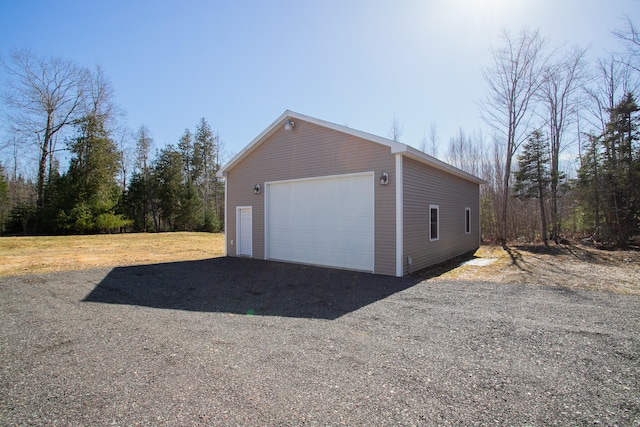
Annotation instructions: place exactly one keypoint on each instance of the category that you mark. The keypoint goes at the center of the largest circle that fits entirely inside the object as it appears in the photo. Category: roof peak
(394, 146)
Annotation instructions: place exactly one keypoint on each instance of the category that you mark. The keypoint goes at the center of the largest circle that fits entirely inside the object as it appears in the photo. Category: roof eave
(424, 158)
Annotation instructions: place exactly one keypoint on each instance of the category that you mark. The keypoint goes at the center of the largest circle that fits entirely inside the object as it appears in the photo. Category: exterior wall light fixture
(257, 189)
(289, 125)
(384, 178)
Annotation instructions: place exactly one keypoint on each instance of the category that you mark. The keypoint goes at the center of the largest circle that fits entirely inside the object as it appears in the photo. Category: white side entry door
(244, 231)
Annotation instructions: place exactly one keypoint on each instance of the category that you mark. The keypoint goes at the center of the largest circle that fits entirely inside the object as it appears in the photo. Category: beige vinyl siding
(425, 186)
(307, 151)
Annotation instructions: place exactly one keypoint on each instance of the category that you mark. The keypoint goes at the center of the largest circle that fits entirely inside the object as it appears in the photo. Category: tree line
(562, 158)
(179, 189)
(113, 182)
(543, 105)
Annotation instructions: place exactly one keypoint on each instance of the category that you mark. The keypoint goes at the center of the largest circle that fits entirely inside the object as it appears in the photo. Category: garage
(309, 191)
(326, 221)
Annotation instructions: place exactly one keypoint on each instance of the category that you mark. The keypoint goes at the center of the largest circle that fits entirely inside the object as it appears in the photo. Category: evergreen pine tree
(621, 170)
(589, 184)
(533, 177)
(205, 167)
(191, 215)
(168, 175)
(89, 192)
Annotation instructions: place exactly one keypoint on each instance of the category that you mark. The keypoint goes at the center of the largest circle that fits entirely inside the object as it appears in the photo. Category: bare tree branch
(612, 80)
(630, 35)
(395, 130)
(44, 96)
(513, 81)
(560, 92)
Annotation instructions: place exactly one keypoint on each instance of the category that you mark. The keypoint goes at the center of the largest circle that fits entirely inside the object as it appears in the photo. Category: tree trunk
(543, 217)
(42, 166)
(555, 226)
(505, 199)
(42, 170)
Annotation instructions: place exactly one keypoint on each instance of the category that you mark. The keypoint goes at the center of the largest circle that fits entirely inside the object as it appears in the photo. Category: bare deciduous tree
(100, 98)
(492, 171)
(433, 141)
(125, 141)
(560, 92)
(395, 130)
(465, 152)
(630, 35)
(514, 79)
(44, 96)
(610, 82)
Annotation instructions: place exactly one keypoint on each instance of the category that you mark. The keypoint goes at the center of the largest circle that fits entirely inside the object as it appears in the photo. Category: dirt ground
(570, 266)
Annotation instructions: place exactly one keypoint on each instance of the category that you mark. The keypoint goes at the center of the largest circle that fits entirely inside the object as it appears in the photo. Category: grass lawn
(46, 254)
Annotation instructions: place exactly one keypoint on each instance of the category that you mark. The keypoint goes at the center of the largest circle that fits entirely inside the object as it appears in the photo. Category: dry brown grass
(569, 266)
(32, 255)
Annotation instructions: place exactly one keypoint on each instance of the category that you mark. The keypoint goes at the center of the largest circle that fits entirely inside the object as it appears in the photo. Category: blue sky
(241, 63)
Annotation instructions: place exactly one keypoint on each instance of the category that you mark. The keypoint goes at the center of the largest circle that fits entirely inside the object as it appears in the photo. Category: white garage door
(323, 221)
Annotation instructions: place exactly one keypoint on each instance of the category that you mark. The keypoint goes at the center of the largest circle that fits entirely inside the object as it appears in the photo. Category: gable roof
(395, 147)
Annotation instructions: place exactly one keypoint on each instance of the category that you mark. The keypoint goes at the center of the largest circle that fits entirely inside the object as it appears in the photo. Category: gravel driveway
(245, 342)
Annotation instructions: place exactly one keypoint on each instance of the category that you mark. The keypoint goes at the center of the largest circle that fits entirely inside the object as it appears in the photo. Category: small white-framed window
(434, 222)
(467, 220)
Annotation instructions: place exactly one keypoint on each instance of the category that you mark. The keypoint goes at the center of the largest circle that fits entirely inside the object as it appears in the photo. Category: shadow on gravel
(247, 286)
